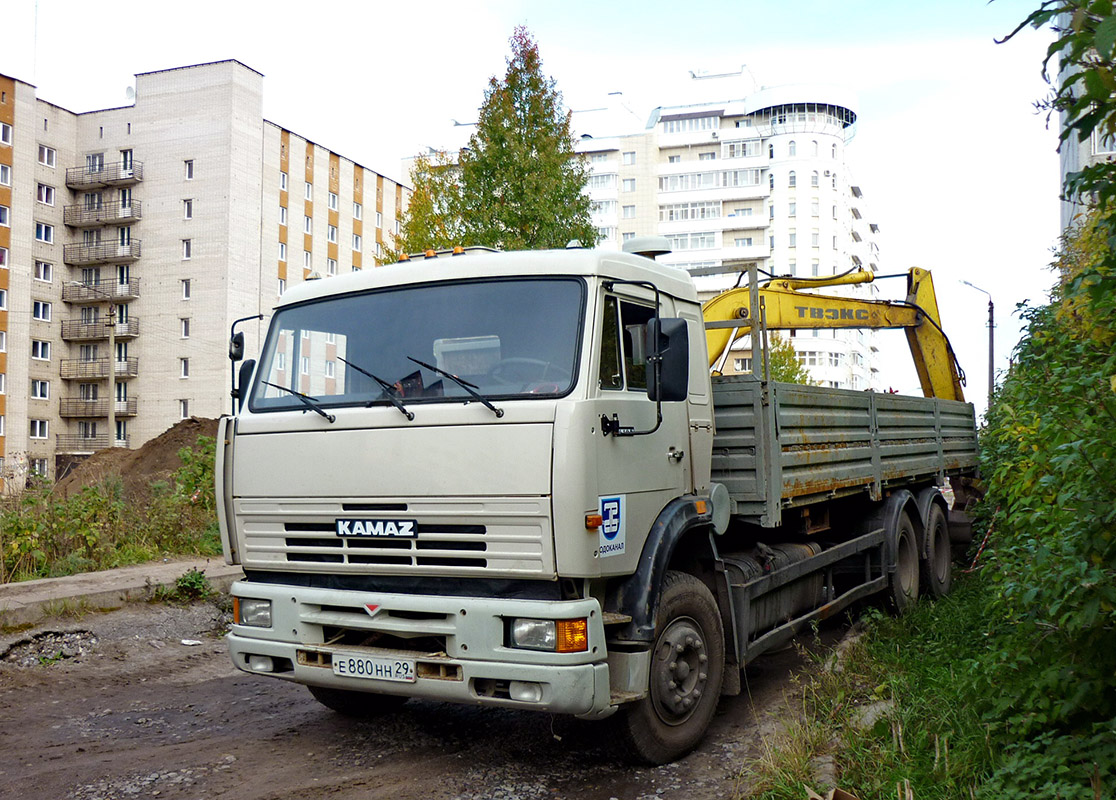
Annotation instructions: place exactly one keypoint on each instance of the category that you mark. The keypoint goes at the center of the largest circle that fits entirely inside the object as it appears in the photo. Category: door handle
(676, 455)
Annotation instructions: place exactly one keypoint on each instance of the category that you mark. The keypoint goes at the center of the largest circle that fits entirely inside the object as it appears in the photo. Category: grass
(925, 738)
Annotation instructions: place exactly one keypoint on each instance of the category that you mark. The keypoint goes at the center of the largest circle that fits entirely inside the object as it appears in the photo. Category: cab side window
(623, 362)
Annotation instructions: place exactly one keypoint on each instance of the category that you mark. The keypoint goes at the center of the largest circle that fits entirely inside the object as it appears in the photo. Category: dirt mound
(138, 469)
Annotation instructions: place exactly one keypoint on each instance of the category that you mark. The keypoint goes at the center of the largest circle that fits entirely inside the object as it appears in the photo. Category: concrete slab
(26, 602)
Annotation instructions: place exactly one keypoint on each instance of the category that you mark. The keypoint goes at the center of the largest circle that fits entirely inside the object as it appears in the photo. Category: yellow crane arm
(785, 308)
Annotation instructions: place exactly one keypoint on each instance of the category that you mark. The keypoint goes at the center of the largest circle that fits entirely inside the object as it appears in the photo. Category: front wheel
(904, 581)
(356, 704)
(687, 666)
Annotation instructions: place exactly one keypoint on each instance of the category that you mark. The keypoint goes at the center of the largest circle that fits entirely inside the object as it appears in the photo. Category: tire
(937, 567)
(357, 704)
(687, 667)
(903, 586)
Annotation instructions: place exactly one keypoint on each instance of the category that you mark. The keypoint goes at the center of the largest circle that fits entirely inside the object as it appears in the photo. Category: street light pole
(991, 340)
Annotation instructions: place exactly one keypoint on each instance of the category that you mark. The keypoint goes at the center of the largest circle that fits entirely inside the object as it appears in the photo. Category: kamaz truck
(519, 480)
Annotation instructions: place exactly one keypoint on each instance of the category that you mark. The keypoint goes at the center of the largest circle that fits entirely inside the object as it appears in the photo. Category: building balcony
(77, 445)
(77, 407)
(97, 368)
(114, 174)
(76, 330)
(84, 216)
(80, 254)
(101, 291)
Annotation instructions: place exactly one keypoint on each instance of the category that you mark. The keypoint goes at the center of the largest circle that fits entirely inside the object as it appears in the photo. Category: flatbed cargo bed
(782, 445)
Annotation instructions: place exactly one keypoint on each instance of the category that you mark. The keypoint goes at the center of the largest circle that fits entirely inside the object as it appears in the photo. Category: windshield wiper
(468, 387)
(306, 399)
(388, 392)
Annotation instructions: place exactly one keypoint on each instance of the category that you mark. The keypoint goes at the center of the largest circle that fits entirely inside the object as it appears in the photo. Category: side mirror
(236, 347)
(242, 379)
(667, 342)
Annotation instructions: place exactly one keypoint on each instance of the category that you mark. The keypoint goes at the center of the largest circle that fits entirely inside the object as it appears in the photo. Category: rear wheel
(687, 666)
(356, 704)
(937, 567)
(903, 590)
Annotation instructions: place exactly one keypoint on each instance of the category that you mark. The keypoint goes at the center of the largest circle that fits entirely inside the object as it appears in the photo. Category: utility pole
(991, 340)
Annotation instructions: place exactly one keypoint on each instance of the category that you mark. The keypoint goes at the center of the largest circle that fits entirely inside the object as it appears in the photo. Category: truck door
(636, 475)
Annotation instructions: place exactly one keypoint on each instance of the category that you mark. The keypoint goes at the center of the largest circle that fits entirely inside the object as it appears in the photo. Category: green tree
(433, 217)
(784, 364)
(522, 184)
(517, 185)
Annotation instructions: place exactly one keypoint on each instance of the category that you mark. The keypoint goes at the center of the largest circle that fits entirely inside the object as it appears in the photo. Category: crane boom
(786, 308)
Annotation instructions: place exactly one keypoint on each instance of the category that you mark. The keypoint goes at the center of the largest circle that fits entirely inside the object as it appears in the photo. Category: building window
(3, 257)
(814, 147)
(358, 210)
(5, 133)
(3, 299)
(379, 220)
(5, 175)
(4, 218)
(833, 152)
(188, 169)
(282, 215)
(629, 212)
(331, 233)
(44, 194)
(306, 262)
(629, 158)
(743, 241)
(184, 368)
(332, 201)
(187, 249)
(187, 209)
(3, 341)
(331, 266)
(282, 252)
(3, 383)
(40, 390)
(629, 184)
(46, 155)
(598, 158)
(331, 369)
(304, 365)
(626, 235)
(282, 181)
(814, 178)
(357, 243)
(39, 429)
(674, 159)
(307, 225)
(707, 156)
(792, 148)
(792, 239)
(40, 310)
(742, 364)
(44, 233)
(771, 151)
(185, 323)
(282, 286)
(814, 239)
(40, 350)
(183, 409)
(309, 190)
(815, 207)
(792, 179)
(792, 209)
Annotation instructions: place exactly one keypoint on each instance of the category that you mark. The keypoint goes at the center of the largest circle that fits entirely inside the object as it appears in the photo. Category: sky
(957, 167)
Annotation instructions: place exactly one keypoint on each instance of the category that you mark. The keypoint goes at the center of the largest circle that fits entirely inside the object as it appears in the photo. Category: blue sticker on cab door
(612, 526)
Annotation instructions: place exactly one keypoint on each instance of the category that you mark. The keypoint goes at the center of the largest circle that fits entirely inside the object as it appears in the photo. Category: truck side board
(783, 445)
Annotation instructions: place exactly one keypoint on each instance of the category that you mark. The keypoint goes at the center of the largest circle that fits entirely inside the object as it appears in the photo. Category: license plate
(378, 668)
(377, 528)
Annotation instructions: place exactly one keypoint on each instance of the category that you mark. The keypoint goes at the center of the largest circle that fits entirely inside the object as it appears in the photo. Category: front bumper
(458, 645)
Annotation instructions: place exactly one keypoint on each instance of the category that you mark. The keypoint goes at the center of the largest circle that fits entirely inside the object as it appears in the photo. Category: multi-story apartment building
(757, 178)
(130, 240)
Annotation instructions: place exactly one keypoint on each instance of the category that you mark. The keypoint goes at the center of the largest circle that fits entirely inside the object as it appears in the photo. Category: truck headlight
(255, 613)
(560, 636)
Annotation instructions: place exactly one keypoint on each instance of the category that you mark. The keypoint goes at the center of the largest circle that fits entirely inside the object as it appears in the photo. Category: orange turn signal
(573, 635)
(593, 521)
(458, 250)
(700, 506)
(430, 253)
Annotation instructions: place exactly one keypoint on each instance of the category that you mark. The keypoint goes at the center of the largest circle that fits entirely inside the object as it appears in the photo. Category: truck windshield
(504, 338)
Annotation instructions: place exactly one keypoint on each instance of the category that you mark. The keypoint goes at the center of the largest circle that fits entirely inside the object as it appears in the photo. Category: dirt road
(120, 707)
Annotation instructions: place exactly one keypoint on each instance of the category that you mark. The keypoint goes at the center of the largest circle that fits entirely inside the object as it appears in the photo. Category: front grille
(501, 537)
(434, 546)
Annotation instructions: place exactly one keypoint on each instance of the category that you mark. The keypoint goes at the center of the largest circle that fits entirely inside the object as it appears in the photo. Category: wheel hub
(679, 671)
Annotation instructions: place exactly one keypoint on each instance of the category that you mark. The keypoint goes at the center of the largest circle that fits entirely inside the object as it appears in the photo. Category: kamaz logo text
(404, 528)
(815, 312)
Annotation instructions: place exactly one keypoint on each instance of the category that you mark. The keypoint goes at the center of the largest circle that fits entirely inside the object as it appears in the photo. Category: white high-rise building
(172, 217)
(753, 178)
